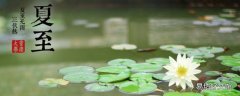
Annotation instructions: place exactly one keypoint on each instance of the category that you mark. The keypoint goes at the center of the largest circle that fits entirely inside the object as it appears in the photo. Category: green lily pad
(231, 63)
(182, 94)
(135, 88)
(160, 61)
(159, 76)
(113, 69)
(213, 82)
(223, 78)
(74, 69)
(231, 83)
(142, 76)
(52, 82)
(81, 77)
(200, 54)
(95, 87)
(225, 58)
(48, 83)
(236, 68)
(236, 55)
(211, 49)
(121, 62)
(107, 78)
(182, 51)
(222, 82)
(236, 79)
(171, 47)
(198, 61)
(230, 75)
(213, 73)
(145, 67)
(228, 92)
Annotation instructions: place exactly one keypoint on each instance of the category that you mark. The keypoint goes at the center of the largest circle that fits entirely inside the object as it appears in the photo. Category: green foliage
(145, 67)
(122, 62)
(113, 69)
(231, 61)
(107, 78)
(182, 94)
(213, 73)
(132, 87)
(74, 69)
(228, 92)
(99, 88)
(201, 52)
(160, 61)
(81, 77)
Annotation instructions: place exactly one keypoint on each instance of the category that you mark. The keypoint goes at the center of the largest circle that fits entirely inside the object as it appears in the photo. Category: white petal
(172, 81)
(193, 77)
(168, 67)
(178, 81)
(183, 85)
(189, 84)
(196, 71)
(172, 61)
(179, 57)
(194, 66)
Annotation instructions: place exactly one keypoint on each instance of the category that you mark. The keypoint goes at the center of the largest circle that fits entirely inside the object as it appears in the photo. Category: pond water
(90, 45)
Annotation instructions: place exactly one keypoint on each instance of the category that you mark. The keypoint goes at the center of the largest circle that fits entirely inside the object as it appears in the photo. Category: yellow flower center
(181, 71)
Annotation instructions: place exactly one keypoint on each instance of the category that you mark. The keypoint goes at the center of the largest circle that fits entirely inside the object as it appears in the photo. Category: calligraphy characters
(43, 14)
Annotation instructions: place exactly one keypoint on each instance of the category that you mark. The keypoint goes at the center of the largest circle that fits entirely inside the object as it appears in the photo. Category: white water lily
(181, 72)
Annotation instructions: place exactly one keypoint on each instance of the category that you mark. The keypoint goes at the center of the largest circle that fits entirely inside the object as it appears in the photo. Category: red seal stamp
(18, 46)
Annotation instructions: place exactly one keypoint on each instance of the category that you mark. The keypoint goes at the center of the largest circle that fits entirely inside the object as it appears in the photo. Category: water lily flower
(181, 71)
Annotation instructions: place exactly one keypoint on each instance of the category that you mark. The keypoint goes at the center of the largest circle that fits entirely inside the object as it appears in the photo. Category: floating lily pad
(52, 82)
(236, 68)
(182, 51)
(121, 62)
(230, 75)
(198, 61)
(159, 76)
(107, 78)
(229, 92)
(236, 79)
(81, 77)
(213, 82)
(113, 77)
(171, 47)
(211, 49)
(135, 88)
(49, 83)
(236, 55)
(99, 88)
(160, 61)
(223, 82)
(182, 94)
(62, 82)
(74, 69)
(213, 73)
(145, 67)
(142, 76)
(223, 78)
(231, 83)
(231, 63)
(199, 54)
(225, 58)
(113, 69)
